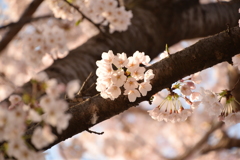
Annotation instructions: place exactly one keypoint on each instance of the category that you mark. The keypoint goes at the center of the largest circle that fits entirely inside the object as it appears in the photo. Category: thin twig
(84, 83)
(98, 133)
(24, 21)
(13, 31)
(85, 91)
(235, 84)
(84, 16)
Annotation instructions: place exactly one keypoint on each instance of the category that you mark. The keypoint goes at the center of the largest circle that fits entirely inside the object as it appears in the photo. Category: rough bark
(203, 54)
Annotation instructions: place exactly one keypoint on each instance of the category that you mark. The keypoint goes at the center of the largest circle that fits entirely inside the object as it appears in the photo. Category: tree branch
(201, 20)
(15, 29)
(83, 15)
(203, 54)
(200, 143)
(225, 142)
(25, 21)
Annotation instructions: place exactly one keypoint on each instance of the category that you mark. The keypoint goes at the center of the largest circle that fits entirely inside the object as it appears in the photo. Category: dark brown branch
(203, 20)
(94, 132)
(25, 21)
(12, 32)
(203, 54)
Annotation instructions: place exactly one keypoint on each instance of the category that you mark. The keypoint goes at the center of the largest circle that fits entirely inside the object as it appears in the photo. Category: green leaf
(78, 22)
(167, 49)
(26, 98)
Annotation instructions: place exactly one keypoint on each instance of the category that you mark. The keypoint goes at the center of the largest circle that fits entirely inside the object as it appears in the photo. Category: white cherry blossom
(132, 94)
(170, 110)
(108, 57)
(14, 99)
(138, 73)
(120, 60)
(114, 91)
(186, 90)
(144, 87)
(148, 75)
(72, 88)
(232, 118)
(140, 56)
(131, 83)
(133, 64)
(116, 72)
(42, 137)
(118, 78)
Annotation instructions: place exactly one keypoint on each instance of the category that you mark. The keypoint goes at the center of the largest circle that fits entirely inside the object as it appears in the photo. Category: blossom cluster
(62, 10)
(171, 108)
(104, 12)
(49, 111)
(226, 111)
(220, 106)
(44, 42)
(117, 71)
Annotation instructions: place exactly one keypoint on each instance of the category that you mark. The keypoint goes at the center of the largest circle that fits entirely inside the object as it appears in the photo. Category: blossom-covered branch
(203, 54)
(82, 14)
(14, 30)
(28, 20)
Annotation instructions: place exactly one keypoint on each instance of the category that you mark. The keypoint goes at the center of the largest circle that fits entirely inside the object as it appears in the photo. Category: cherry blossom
(144, 87)
(186, 90)
(42, 42)
(114, 91)
(14, 99)
(196, 78)
(132, 94)
(170, 110)
(98, 11)
(118, 78)
(131, 83)
(116, 72)
(72, 87)
(120, 60)
(232, 119)
(148, 75)
(42, 137)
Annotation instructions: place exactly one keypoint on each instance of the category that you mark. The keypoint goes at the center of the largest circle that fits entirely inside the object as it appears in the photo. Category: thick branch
(203, 54)
(201, 20)
(153, 26)
(15, 29)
